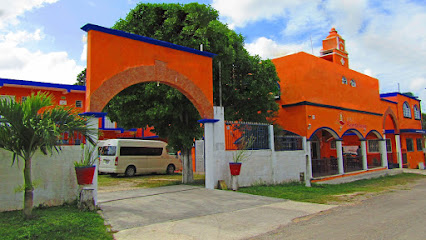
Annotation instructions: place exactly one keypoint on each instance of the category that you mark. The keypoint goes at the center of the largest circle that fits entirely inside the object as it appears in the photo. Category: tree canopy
(249, 84)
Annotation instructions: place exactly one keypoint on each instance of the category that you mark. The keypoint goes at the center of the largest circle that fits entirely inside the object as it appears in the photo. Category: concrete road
(395, 215)
(188, 212)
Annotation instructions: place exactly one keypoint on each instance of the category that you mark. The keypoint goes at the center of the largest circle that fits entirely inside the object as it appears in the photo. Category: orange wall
(20, 92)
(110, 55)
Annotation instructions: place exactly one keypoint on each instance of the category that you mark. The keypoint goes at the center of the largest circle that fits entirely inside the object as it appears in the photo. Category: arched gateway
(117, 60)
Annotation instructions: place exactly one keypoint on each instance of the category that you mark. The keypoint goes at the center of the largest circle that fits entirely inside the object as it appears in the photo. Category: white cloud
(239, 13)
(268, 48)
(11, 9)
(17, 62)
(83, 56)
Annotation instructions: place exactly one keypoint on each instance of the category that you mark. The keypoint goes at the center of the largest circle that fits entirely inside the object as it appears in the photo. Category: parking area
(191, 212)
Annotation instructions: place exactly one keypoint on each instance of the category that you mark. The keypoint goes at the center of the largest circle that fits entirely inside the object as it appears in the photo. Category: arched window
(406, 110)
(417, 114)
(353, 83)
(344, 81)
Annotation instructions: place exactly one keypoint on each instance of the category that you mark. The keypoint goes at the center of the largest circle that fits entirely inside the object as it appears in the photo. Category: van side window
(108, 150)
(140, 151)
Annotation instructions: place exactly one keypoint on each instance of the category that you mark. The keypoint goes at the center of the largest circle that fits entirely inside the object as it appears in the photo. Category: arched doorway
(375, 144)
(392, 135)
(323, 152)
(352, 150)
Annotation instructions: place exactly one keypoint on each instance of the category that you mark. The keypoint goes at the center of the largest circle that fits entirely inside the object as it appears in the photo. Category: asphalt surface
(395, 215)
(188, 212)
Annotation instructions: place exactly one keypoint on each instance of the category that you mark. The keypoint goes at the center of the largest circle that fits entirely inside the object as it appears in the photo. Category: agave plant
(36, 124)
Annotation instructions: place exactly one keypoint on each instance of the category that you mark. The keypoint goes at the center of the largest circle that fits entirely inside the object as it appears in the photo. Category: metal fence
(237, 133)
(288, 143)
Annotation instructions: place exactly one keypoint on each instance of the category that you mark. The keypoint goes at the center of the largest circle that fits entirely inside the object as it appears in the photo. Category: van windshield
(108, 150)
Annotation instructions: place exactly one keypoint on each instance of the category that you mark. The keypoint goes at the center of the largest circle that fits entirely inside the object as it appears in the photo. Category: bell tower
(334, 49)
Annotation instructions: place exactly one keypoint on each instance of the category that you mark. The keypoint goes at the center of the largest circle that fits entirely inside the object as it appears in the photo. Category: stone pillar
(383, 152)
(210, 167)
(398, 150)
(339, 151)
(307, 148)
(272, 147)
(364, 154)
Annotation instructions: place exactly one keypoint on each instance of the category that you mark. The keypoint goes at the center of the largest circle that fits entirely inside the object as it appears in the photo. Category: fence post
(273, 155)
(308, 162)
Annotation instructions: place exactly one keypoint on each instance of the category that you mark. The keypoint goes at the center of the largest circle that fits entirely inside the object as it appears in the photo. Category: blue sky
(41, 40)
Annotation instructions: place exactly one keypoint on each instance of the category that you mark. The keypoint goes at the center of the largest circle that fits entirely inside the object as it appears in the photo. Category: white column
(272, 147)
(339, 151)
(308, 173)
(210, 167)
(94, 123)
(364, 154)
(383, 152)
(398, 150)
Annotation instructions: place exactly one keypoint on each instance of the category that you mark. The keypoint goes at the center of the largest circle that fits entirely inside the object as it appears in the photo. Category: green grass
(330, 193)
(64, 222)
(147, 181)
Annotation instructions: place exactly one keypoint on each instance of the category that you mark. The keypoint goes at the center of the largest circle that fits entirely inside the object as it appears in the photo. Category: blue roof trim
(413, 131)
(330, 130)
(393, 94)
(132, 36)
(388, 100)
(67, 87)
(93, 114)
(329, 106)
(208, 120)
(390, 131)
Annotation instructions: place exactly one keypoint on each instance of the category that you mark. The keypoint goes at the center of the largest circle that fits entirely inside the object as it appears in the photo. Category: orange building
(69, 95)
(349, 125)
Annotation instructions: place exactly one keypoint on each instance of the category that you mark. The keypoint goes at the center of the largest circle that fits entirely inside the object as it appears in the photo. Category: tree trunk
(28, 195)
(187, 174)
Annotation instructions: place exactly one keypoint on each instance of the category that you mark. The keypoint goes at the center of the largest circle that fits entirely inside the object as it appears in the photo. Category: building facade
(350, 126)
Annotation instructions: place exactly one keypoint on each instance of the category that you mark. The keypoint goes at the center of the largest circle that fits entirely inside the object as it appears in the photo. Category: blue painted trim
(421, 131)
(388, 101)
(119, 33)
(321, 128)
(372, 131)
(346, 133)
(93, 114)
(363, 139)
(393, 94)
(390, 131)
(67, 87)
(208, 120)
(329, 106)
(150, 137)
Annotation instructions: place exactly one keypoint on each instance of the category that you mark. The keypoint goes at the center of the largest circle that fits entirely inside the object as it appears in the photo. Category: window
(140, 151)
(108, 123)
(388, 145)
(406, 110)
(409, 143)
(333, 144)
(417, 114)
(419, 144)
(353, 83)
(23, 99)
(373, 146)
(7, 97)
(108, 150)
(79, 103)
(344, 81)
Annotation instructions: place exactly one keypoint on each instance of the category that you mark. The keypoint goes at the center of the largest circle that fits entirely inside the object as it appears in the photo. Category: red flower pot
(85, 175)
(235, 168)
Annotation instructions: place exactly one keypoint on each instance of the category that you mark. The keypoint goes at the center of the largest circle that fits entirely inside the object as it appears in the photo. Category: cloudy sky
(41, 40)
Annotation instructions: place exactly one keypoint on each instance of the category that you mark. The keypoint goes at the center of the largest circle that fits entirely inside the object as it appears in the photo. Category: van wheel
(170, 169)
(130, 171)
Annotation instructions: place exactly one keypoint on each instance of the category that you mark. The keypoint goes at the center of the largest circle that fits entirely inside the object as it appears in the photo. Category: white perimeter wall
(261, 167)
(54, 177)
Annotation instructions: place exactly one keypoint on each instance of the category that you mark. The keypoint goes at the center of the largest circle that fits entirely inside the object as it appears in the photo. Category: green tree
(248, 83)
(81, 78)
(424, 121)
(32, 125)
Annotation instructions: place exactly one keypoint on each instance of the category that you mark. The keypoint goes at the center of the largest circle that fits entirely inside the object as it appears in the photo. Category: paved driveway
(188, 212)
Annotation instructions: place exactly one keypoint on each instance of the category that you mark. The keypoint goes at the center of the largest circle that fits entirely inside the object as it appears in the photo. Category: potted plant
(85, 168)
(240, 155)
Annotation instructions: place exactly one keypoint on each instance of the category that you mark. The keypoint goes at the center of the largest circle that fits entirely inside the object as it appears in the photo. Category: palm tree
(35, 124)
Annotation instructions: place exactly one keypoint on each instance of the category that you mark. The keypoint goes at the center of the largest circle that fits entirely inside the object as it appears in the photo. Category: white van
(131, 156)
